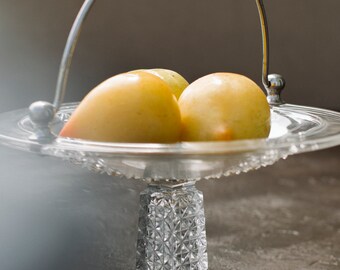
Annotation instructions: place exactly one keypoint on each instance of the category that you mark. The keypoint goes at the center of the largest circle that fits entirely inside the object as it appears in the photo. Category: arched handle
(273, 83)
(44, 111)
(68, 53)
(265, 42)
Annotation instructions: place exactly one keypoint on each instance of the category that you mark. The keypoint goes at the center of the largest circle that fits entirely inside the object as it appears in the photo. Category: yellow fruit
(224, 106)
(136, 107)
(175, 81)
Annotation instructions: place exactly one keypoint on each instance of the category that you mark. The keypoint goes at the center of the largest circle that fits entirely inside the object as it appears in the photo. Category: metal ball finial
(276, 85)
(42, 114)
(277, 82)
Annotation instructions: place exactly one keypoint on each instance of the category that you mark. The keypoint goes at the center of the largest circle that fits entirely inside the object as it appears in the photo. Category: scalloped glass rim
(294, 129)
(319, 136)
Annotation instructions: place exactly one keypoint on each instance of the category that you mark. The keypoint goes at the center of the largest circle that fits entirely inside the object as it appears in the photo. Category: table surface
(54, 215)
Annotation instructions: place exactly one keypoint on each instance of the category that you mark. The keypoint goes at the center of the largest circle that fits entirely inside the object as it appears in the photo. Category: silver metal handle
(265, 42)
(273, 83)
(42, 113)
(68, 53)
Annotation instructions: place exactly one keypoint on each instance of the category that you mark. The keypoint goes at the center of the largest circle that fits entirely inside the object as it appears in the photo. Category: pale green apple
(174, 80)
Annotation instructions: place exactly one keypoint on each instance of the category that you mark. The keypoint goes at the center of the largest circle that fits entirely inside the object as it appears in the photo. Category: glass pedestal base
(171, 229)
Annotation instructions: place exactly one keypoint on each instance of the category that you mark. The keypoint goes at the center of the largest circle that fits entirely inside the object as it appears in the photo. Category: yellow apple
(175, 81)
(138, 107)
(224, 106)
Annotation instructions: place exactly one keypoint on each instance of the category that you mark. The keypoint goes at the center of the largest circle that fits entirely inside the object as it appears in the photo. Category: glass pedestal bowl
(171, 229)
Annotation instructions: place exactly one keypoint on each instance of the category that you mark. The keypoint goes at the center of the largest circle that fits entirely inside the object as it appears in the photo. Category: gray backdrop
(194, 37)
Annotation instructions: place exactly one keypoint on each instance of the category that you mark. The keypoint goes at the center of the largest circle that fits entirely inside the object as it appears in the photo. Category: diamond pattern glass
(171, 229)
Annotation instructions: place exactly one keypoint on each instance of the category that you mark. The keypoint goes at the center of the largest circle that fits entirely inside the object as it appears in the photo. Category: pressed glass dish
(172, 221)
(294, 129)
